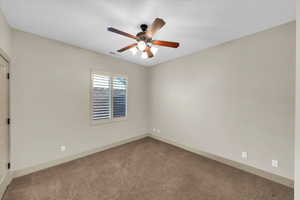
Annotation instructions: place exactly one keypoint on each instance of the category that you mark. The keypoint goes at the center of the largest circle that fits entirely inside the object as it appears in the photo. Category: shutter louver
(101, 97)
(119, 93)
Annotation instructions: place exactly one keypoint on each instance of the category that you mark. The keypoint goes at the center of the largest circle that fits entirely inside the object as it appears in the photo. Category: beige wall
(238, 96)
(50, 101)
(5, 36)
(297, 120)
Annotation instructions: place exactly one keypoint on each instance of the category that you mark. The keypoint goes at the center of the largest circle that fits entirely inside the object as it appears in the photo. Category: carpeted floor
(145, 170)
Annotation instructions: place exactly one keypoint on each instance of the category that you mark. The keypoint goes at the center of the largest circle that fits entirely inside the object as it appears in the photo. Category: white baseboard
(4, 183)
(29, 170)
(247, 168)
(252, 170)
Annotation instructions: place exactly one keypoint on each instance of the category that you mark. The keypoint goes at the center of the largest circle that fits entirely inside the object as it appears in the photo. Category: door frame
(6, 58)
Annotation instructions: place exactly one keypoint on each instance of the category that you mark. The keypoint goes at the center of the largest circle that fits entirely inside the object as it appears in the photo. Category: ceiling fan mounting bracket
(144, 27)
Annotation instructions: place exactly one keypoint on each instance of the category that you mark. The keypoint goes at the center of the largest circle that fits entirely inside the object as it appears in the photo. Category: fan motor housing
(142, 35)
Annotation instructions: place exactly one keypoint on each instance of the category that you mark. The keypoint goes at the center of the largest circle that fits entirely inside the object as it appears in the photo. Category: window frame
(111, 119)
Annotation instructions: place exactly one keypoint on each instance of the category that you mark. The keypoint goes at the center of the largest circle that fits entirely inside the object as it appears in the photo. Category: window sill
(107, 121)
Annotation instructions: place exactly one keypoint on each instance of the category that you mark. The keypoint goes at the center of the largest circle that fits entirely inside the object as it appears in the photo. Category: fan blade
(148, 50)
(128, 47)
(156, 26)
(166, 43)
(121, 33)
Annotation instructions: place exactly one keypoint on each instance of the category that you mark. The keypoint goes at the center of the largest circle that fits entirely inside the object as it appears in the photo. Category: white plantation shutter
(108, 97)
(119, 94)
(101, 97)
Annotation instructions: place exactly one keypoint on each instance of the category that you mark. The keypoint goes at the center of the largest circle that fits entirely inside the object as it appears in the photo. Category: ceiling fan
(144, 41)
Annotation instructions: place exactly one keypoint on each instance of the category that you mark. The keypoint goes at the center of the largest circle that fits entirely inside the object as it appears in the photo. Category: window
(108, 97)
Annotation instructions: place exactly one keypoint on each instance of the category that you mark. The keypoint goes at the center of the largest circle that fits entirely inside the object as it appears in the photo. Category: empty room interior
(149, 100)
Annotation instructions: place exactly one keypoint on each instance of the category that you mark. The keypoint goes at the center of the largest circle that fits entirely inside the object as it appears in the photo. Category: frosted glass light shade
(133, 50)
(142, 45)
(144, 55)
(154, 50)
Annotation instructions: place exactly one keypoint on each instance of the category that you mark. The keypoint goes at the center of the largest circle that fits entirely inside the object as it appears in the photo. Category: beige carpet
(145, 170)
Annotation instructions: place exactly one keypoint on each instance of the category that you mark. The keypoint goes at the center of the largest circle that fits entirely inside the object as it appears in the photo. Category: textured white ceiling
(196, 24)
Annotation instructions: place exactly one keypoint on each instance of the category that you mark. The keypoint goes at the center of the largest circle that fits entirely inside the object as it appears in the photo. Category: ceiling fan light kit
(145, 43)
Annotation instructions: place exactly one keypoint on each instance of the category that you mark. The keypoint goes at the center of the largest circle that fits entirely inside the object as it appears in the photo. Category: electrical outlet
(275, 163)
(245, 155)
(63, 148)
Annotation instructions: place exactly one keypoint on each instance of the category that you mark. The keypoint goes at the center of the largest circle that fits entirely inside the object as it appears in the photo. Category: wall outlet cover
(244, 155)
(275, 163)
(63, 148)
